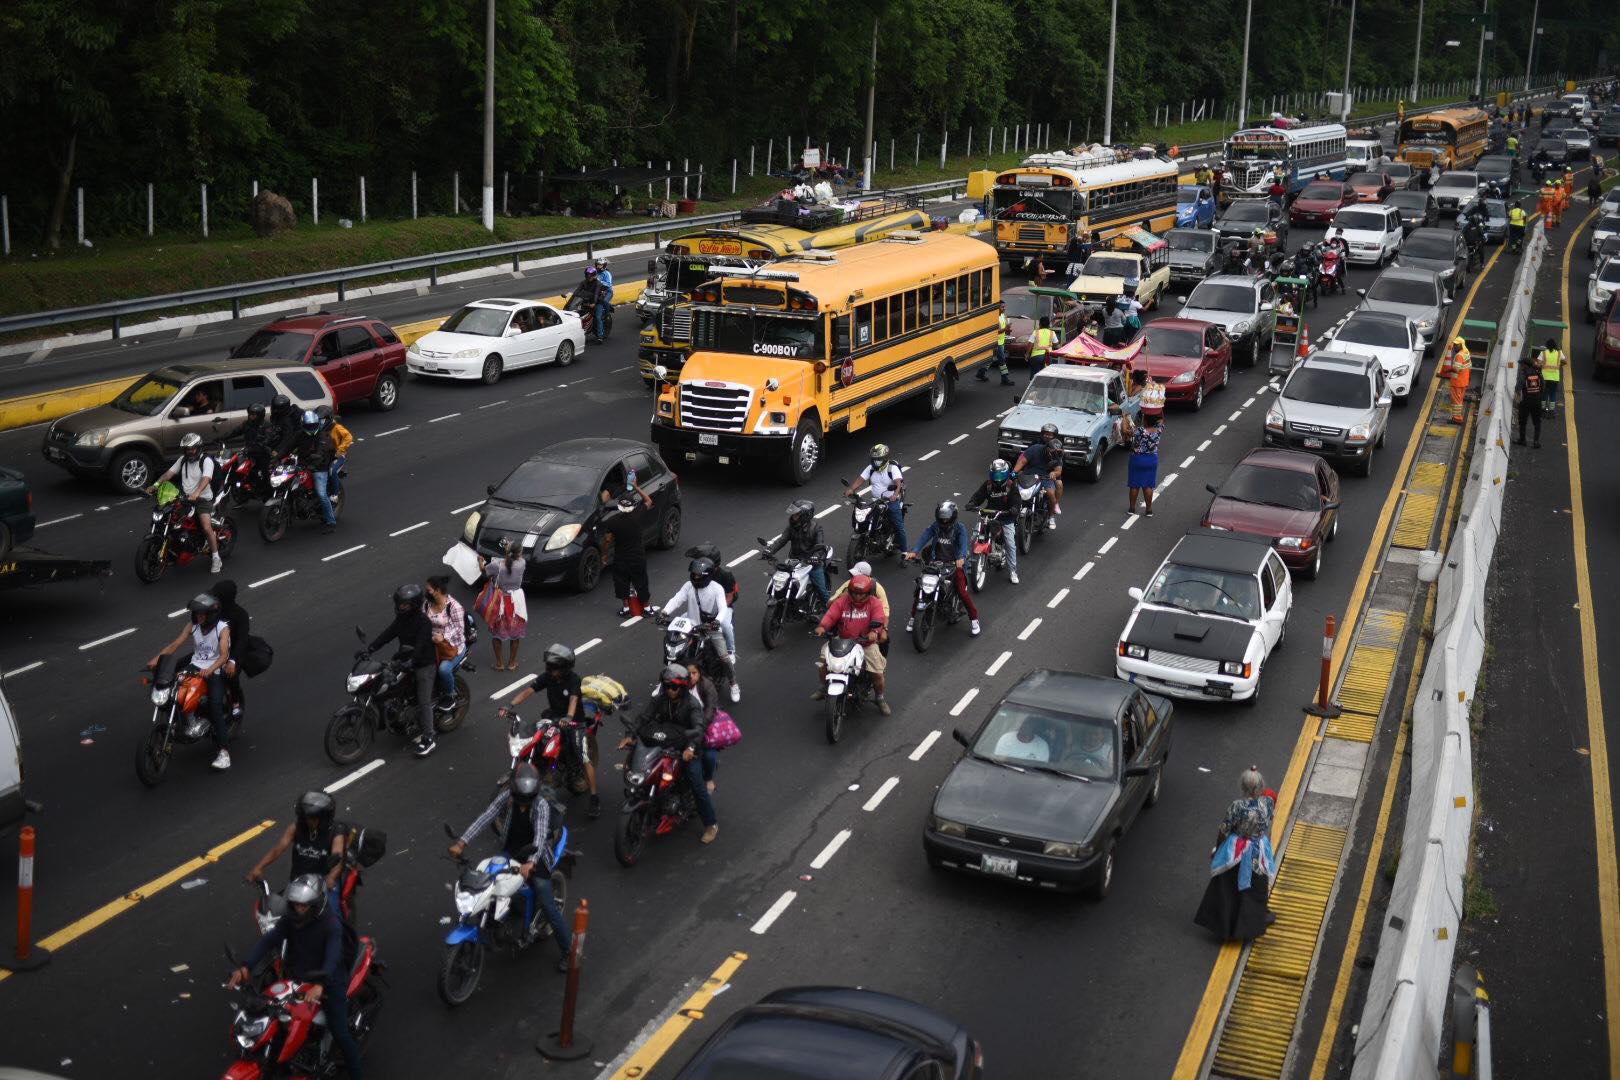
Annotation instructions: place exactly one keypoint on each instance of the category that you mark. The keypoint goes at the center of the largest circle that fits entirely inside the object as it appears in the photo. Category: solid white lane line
(492, 404)
(958, 439)
(1167, 481)
(99, 509)
(1202, 446)
(744, 557)
(392, 431)
(408, 528)
(1128, 523)
(1221, 430)
(58, 521)
(1034, 624)
(1083, 571)
(446, 416)
(272, 577)
(631, 621)
(987, 423)
(40, 663)
(1000, 660)
(512, 688)
(469, 506)
(104, 640)
(775, 912)
(615, 371)
(1108, 545)
(930, 454)
(964, 701)
(833, 509)
(922, 747)
(830, 850)
(1058, 597)
(881, 793)
(1236, 414)
(591, 644)
(369, 767)
(1246, 404)
(340, 554)
(1190, 459)
(542, 390)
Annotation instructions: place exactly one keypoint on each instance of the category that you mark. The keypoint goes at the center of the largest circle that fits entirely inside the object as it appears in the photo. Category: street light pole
(1417, 54)
(1108, 95)
(489, 116)
(871, 103)
(1349, 48)
(1479, 67)
(1530, 56)
(1243, 84)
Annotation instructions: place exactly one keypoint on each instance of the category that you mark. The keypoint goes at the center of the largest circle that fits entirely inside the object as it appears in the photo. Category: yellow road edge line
(1598, 745)
(111, 910)
(1190, 1064)
(659, 1043)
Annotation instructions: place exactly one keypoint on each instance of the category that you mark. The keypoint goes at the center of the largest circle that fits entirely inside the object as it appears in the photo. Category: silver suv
(1242, 306)
(1412, 291)
(1334, 405)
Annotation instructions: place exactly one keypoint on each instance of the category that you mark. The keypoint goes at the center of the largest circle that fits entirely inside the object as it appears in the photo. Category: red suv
(1606, 343)
(359, 357)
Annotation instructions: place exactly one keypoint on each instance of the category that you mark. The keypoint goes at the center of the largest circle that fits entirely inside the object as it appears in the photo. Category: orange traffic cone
(637, 609)
(1303, 349)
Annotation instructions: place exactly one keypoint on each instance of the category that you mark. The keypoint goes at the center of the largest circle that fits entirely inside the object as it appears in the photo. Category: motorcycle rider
(314, 450)
(1473, 231)
(604, 298)
(342, 438)
(946, 540)
(210, 652)
(313, 932)
(704, 601)
(414, 634)
(564, 691)
(888, 483)
(1257, 248)
(674, 713)
(258, 437)
(1044, 457)
(728, 581)
(999, 495)
(315, 839)
(237, 621)
(196, 471)
(805, 541)
(858, 615)
(283, 424)
(527, 832)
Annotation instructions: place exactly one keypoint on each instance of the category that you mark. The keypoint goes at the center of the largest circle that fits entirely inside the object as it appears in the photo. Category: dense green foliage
(111, 94)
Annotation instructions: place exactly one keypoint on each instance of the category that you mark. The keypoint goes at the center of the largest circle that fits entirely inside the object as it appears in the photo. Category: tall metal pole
(871, 103)
(1349, 49)
(1479, 67)
(1243, 84)
(489, 116)
(1417, 54)
(1530, 55)
(1108, 95)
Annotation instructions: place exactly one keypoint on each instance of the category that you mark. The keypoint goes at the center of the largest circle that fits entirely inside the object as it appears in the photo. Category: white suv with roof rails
(1373, 231)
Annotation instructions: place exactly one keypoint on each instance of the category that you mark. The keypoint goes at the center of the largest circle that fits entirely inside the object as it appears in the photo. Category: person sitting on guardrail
(1234, 907)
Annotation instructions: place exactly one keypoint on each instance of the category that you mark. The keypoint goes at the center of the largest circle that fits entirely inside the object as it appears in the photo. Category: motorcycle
(686, 642)
(936, 599)
(382, 697)
(280, 1033)
(1330, 271)
(988, 550)
(292, 498)
(244, 480)
(488, 918)
(1034, 509)
(656, 797)
(179, 716)
(847, 683)
(789, 596)
(582, 302)
(872, 532)
(175, 536)
(545, 744)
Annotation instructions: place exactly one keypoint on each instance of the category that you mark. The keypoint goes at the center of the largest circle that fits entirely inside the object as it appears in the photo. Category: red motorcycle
(176, 537)
(244, 480)
(280, 1033)
(656, 797)
(292, 498)
(1330, 273)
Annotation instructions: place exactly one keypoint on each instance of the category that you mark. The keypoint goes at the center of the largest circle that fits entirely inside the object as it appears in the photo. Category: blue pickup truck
(1086, 403)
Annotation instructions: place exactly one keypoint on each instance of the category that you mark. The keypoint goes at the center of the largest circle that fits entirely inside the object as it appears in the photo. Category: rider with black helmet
(728, 581)
(946, 540)
(414, 633)
(805, 540)
(315, 451)
(565, 701)
(283, 423)
(314, 837)
(674, 717)
(703, 600)
(999, 495)
(210, 639)
(1044, 458)
(313, 933)
(526, 838)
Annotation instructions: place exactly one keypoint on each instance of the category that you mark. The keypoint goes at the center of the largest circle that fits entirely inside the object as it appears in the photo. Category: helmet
(204, 606)
(701, 571)
(315, 804)
(1000, 471)
(1259, 230)
(1049, 432)
(945, 513)
(801, 511)
(1458, 341)
(601, 263)
(307, 889)
(862, 567)
(675, 675)
(880, 455)
(861, 586)
(256, 411)
(280, 404)
(525, 781)
(559, 656)
(705, 550)
(324, 412)
(311, 422)
(590, 271)
(408, 598)
(191, 445)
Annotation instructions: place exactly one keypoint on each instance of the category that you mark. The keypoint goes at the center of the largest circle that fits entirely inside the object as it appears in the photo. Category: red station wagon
(360, 358)
(1189, 356)
(1290, 498)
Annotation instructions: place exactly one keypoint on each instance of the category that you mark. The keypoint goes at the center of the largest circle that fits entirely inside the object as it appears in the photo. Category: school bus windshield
(758, 334)
(1034, 204)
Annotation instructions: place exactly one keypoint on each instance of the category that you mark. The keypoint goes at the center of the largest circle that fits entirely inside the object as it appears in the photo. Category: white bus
(1305, 153)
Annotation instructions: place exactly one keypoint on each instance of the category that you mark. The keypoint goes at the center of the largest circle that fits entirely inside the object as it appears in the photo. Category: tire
(459, 973)
(978, 572)
(1254, 699)
(588, 571)
(1094, 472)
(1156, 789)
(1314, 569)
(1099, 889)
(385, 395)
(226, 533)
(1026, 537)
(1403, 400)
(835, 717)
(922, 630)
(669, 529)
(855, 551)
(565, 354)
(149, 560)
(130, 471)
(1226, 375)
(630, 838)
(1198, 397)
(273, 522)
(1365, 467)
(938, 398)
(491, 374)
(349, 734)
(151, 758)
(804, 453)
(442, 721)
(770, 624)
(1333, 530)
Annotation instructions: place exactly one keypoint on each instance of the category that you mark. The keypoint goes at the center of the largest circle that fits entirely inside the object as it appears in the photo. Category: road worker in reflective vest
(1457, 366)
(1552, 375)
(1516, 222)
(999, 357)
(1043, 342)
(1547, 205)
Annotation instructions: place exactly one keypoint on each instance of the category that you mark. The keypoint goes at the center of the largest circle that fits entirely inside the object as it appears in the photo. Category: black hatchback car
(552, 508)
(1050, 782)
(836, 1033)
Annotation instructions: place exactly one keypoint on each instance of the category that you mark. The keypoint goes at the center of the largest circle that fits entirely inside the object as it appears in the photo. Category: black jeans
(628, 571)
(1530, 410)
(216, 710)
(336, 1005)
(423, 678)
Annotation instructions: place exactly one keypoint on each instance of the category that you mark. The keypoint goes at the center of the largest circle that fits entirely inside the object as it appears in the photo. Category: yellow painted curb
(38, 408)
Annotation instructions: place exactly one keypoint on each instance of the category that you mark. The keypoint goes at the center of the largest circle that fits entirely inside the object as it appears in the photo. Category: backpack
(257, 656)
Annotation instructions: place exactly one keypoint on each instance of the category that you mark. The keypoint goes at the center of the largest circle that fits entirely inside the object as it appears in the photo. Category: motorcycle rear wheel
(459, 974)
(349, 734)
(225, 532)
(273, 522)
(150, 562)
(835, 716)
(152, 756)
(631, 838)
(1026, 534)
(922, 629)
(449, 721)
(770, 625)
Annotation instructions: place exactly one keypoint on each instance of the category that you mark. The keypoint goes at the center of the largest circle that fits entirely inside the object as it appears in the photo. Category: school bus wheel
(805, 452)
(938, 397)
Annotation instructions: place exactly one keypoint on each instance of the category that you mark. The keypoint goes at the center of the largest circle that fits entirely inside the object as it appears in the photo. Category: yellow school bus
(1456, 138)
(776, 230)
(1041, 207)
(783, 354)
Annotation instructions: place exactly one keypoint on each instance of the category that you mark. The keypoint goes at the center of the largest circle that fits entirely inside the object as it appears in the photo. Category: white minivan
(1360, 155)
(1373, 231)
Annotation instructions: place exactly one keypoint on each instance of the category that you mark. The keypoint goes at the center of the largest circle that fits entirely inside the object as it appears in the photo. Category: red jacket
(853, 621)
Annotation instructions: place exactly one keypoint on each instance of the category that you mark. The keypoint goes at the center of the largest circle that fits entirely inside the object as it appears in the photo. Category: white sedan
(488, 337)
(1389, 338)
(1603, 284)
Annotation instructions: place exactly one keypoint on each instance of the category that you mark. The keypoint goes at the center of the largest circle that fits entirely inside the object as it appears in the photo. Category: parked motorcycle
(872, 534)
(686, 642)
(937, 601)
(292, 498)
(489, 915)
(656, 797)
(988, 550)
(179, 716)
(789, 596)
(847, 683)
(382, 697)
(175, 536)
(280, 1033)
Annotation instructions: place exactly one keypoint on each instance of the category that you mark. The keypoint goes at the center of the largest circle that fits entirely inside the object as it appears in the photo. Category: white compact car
(1389, 338)
(1373, 231)
(1209, 620)
(1603, 284)
(489, 337)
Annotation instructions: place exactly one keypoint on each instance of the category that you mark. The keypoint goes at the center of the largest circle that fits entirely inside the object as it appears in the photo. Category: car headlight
(1358, 433)
(946, 827)
(161, 694)
(1425, 326)
(562, 537)
(1294, 543)
(1132, 650)
(1237, 668)
(666, 407)
(467, 354)
(1611, 341)
(469, 533)
(1059, 850)
(1450, 271)
(414, 350)
(1400, 371)
(1185, 377)
(1274, 420)
(1243, 326)
(97, 437)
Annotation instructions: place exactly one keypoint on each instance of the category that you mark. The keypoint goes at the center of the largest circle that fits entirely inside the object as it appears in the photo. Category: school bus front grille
(675, 324)
(1032, 233)
(714, 407)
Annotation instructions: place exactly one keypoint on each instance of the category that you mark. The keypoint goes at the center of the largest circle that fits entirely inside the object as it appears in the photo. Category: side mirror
(1446, 302)
(513, 331)
(489, 489)
(1181, 300)
(1386, 399)
(1330, 505)
(1134, 592)
(1362, 293)
(1134, 771)
(1212, 489)
(1266, 305)
(960, 736)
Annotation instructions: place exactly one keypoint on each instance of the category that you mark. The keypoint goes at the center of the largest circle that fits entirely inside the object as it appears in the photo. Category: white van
(1373, 231)
(11, 795)
(1361, 154)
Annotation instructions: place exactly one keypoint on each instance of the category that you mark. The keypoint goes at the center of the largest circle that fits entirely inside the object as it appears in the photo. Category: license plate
(998, 865)
(1313, 444)
(708, 440)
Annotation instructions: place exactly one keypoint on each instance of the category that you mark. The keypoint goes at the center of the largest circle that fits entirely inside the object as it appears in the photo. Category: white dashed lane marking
(744, 557)
(958, 439)
(1246, 404)
(1000, 660)
(469, 506)
(1108, 545)
(882, 793)
(1201, 448)
(591, 644)
(340, 554)
(272, 577)
(930, 454)
(775, 912)
(408, 528)
(830, 850)
(392, 431)
(964, 701)
(987, 423)
(1190, 459)
(26, 668)
(922, 747)
(1167, 481)
(1128, 523)
(511, 687)
(833, 509)
(1058, 597)
(1236, 414)
(1221, 430)
(1034, 624)
(491, 404)
(1083, 571)
(446, 416)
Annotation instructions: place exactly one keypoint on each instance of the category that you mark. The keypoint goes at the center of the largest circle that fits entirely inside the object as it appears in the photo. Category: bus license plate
(1313, 444)
(708, 440)
(998, 865)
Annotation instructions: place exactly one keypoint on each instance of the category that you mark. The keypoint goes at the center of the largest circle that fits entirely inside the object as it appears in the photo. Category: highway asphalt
(1051, 985)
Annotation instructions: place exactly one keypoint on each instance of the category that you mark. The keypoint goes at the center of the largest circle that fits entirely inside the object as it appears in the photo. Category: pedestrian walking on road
(627, 525)
(999, 354)
(1234, 906)
(502, 604)
(1552, 374)
(1142, 474)
(1528, 398)
(1457, 366)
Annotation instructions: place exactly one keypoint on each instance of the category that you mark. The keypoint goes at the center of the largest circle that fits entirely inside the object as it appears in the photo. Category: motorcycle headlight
(930, 582)
(249, 1032)
(1059, 850)
(97, 437)
(467, 354)
(1274, 420)
(862, 513)
(469, 902)
(160, 514)
(1359, 433)
(515, 744)
(162, 694)
(562, 537)
(635, 779)
(279, 476)
(1135, 652)
(1185, 377)
(355, 682)
(949, 828)
(1236, 668)
(779, 578)
(469, 532)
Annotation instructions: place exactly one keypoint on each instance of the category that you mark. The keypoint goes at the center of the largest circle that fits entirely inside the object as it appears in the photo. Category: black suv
(1241, 216)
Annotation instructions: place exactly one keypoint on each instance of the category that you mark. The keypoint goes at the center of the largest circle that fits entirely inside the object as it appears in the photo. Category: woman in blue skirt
(1142, 476)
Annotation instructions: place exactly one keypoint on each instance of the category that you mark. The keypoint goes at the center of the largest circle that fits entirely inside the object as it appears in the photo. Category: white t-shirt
(883, 482)
(695, 602)
(1011, 746)
(193, 472)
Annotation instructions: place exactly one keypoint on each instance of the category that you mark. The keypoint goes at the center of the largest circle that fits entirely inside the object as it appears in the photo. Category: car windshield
(1458, 180)
(1495, 208)
(147, 397)
(1609, 224)
(1206, 592)
(1185, 194)
(1323, 385)
(1496, 165)
(1253, 210)
(1024, 736)
(1110, 266)
(1213, 296)
(1289, 488)
(1400, 290)
(1053, 391)
(1379, 333)
(1432, 246)
(1190, 240)
(273, 345)
(480, 321)
(1397, 170)
(1367, 179)
(1407, 200)
(1359, 219)
(1320, 191)
(550, 483)
(1554, 146)
(1172, 341)
(1021, 305)
(1610, 274)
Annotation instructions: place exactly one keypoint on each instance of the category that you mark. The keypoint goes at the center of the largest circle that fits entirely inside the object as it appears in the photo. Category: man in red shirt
(858, 615)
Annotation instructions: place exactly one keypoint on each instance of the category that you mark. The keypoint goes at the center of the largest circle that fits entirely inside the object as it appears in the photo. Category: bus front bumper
(687, 444)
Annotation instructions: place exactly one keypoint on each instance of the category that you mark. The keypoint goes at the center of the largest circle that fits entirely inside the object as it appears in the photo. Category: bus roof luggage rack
(814, 216)
(1080, 157)
(904, 236)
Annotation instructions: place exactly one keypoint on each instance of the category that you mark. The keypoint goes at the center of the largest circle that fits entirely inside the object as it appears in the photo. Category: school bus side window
(863, 326)
(911, 310)
(897, 321)
(936, 293)
(975, 289)
(880, 319)
(950, 298)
